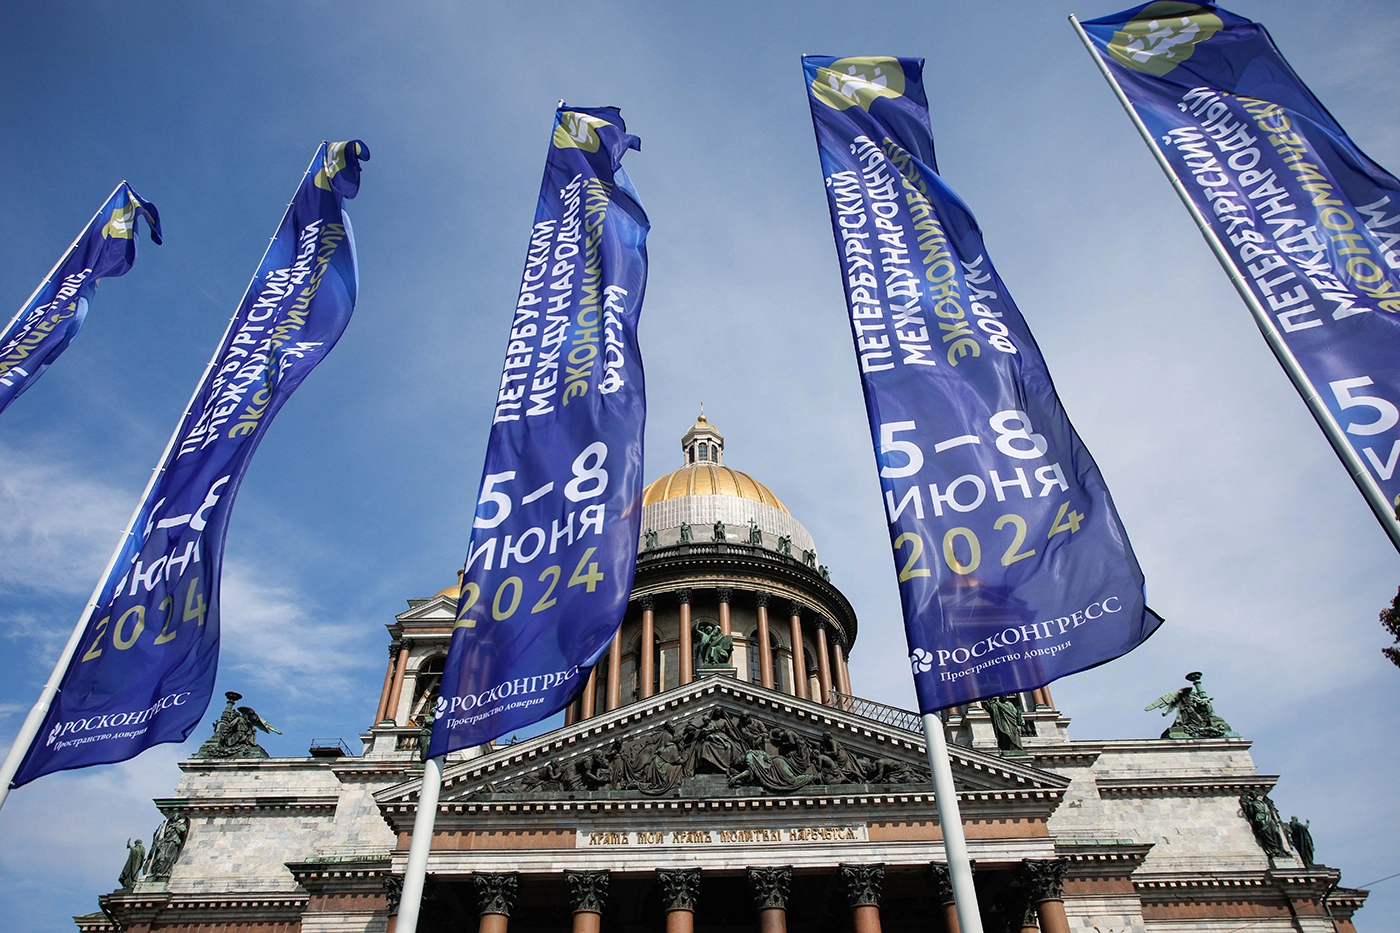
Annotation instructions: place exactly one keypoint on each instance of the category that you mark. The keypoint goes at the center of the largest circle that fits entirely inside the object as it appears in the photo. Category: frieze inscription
(720, 837)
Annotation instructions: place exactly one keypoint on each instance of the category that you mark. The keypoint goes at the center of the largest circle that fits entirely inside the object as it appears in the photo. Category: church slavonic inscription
(720, 837)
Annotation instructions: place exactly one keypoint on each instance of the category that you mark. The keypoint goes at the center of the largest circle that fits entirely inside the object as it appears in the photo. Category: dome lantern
(702, 443)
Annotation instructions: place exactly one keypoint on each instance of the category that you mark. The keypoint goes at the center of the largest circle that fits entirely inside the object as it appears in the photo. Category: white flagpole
(420, 846)
(61, 260)
(30, 729)
(945, 796)
(1385, 512)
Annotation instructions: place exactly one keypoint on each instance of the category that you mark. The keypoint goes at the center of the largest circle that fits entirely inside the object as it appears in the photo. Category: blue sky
(1257, 549)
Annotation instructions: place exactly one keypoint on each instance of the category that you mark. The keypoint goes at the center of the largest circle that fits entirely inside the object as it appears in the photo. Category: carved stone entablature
(495, 892)
(588, 890)
(1045, 878)
(863, 883)
(743, 749)
(680, 888)
(771, 886)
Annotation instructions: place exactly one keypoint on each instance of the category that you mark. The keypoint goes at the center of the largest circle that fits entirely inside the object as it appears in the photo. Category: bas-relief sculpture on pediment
(743, 749)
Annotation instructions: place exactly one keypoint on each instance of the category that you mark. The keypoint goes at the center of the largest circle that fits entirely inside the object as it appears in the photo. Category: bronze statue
(235, 734)
(714, 647)
(131, 871)
(809, 558)
(785, 545)
(651, 539)
(685, 532)
(825, 571)
(1195, 715)
(166, 844)
(1300, 834)
(425, 732)
(1262, 815)
(1007, 721)
(719, 531)
(755, 534)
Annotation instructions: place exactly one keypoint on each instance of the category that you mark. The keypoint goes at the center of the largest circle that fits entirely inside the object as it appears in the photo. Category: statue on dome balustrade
(685, 532)
(720, 534)
(755, 534)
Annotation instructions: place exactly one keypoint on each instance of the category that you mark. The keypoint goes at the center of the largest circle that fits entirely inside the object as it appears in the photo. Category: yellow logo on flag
(849, 82)
(123, 222)
(577, 131)
(1163, 36)
(331, 165)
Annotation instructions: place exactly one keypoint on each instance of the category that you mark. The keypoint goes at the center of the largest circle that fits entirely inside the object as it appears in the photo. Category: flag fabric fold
(554, 542)
(144, 670)
(54, 314)
(1310, 224)
(1013, 566)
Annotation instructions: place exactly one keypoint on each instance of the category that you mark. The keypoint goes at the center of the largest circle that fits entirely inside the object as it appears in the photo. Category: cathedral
(719, 770)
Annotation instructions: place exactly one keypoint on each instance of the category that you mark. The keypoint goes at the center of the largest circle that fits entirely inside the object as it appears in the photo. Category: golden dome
(709, 479)
(455, 590)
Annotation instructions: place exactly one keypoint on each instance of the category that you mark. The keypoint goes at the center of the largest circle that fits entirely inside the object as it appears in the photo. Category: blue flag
(1013, 566)
(144, 671)
(1309, 221)
(51, 318)
(554, 542)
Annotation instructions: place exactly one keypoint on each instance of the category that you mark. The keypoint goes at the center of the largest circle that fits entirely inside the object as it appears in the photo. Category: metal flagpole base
(420, 845)
(950, 821)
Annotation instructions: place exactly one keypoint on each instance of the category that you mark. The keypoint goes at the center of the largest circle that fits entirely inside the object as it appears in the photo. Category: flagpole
(420, 846)
(61, 260)
(1385, 512)
(945, 796)
(30, 729)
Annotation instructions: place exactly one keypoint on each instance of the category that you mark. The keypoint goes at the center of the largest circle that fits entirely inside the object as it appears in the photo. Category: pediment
(719, 738)
(437, 609)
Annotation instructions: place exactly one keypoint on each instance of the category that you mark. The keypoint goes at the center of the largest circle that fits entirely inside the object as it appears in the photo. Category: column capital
(680, 888)
(683, 596)
(393, 891)
(588, 890)
(395, 647)
(771, 886)
(1045, 878)
(941, 881)
(725, 594)
(648, 602)
(820, 623)
(795, 608)
(495, 891)
(863, 883)
(761, 599)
